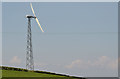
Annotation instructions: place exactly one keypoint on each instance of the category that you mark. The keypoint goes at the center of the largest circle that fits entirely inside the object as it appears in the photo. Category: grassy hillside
(19, 73)
(11, 73)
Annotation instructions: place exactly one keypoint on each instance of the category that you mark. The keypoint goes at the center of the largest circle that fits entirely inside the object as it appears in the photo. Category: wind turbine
(29, 55)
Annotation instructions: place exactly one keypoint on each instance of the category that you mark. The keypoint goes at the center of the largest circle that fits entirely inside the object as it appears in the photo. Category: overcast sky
(79, 39)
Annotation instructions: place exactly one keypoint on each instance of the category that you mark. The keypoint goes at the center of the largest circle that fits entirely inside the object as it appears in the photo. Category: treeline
(25, 70)
(13, 68)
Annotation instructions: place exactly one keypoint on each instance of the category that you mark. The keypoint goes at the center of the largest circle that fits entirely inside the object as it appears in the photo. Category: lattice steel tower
(29, 55)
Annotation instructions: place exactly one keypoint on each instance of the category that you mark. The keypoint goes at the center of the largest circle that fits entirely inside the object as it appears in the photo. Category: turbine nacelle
(30, 16)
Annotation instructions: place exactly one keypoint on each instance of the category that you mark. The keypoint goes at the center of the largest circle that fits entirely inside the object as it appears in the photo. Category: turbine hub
(30, 16)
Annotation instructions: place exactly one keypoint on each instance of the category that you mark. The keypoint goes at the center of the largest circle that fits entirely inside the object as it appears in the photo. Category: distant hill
(19, 73)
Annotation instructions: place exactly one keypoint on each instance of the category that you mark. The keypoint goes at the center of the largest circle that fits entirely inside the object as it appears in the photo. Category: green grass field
(11, 73)
(19, 73)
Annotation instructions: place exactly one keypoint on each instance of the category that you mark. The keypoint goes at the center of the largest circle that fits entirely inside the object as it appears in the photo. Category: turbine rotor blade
(39, 24)
(36, 18)
(32, 9)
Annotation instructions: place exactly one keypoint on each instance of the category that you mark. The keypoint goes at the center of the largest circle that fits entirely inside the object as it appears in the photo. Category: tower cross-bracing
(29, 55)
